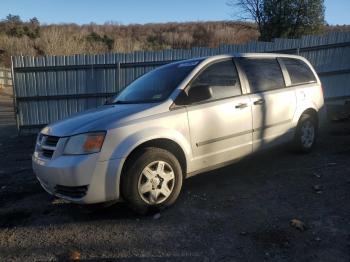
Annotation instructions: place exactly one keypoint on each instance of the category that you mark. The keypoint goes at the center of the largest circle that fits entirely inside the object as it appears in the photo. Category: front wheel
(306, 134)
(153, 180)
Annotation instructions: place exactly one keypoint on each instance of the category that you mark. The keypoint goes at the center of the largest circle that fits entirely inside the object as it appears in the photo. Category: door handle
(259, 102)
(242, 105)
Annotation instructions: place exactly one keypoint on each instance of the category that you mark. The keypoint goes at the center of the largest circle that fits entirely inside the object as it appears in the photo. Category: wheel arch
(163, 143)
(313, 113)
(305, 107)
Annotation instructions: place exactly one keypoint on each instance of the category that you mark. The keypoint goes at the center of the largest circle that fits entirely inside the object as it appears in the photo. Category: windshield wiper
(134, 102)
(118, 102)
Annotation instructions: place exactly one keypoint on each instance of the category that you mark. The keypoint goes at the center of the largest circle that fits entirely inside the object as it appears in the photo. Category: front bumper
(96, 181)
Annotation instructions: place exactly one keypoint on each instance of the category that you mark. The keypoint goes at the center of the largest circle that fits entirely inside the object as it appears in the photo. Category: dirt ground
(237, 213)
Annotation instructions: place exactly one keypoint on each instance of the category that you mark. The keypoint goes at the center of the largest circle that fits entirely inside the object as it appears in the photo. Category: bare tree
(248, 10)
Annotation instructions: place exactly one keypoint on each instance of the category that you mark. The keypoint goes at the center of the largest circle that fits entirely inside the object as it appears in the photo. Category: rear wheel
(306, 134)
(153, 180)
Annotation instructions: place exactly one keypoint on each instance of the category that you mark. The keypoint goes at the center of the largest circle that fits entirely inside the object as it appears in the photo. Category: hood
(97, 119)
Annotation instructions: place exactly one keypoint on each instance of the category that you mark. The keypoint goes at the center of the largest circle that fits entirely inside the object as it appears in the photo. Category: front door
(220, 127)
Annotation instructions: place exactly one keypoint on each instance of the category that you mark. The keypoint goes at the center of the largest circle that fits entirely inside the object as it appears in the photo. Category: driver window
(222, 78)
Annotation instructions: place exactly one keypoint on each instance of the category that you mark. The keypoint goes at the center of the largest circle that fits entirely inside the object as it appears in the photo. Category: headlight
(39, 139)
(84, 143)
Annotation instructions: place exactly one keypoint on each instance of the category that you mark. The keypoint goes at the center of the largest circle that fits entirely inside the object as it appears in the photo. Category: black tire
(299, 143)
(131, 176)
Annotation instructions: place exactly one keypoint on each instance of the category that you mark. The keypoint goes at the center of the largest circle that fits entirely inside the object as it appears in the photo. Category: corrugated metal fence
(53, 87)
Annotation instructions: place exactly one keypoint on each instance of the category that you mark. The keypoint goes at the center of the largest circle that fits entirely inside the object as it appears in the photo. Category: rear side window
(263, 74)
(223, 79)
(299, 72)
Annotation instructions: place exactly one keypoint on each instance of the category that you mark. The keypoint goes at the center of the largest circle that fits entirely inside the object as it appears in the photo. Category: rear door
(220, 127)
(273, 104)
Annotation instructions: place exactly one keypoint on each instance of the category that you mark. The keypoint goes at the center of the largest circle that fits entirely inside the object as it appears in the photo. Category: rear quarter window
(299, 72)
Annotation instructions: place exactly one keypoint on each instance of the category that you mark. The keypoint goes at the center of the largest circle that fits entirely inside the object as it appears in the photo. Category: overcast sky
(140, 11)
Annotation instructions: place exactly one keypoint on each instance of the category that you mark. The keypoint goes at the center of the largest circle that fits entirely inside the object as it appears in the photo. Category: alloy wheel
(156, 182)
(307, 134)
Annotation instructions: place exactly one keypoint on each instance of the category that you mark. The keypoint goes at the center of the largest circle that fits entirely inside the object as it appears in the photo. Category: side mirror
(109, 100)
(182, 99)
(199, 93)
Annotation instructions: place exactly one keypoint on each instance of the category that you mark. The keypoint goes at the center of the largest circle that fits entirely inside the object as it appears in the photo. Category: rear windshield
(299, 72)
(157, 85)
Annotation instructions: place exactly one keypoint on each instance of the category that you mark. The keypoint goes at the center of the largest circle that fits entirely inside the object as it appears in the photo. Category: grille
(48, 145)
(71, 191)
(51, 140)
(47, 153)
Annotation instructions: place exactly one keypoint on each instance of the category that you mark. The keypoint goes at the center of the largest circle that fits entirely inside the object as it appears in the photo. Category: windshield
(157, 85)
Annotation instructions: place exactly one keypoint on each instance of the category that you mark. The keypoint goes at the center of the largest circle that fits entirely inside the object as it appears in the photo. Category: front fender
(123, 147)
(137, 138)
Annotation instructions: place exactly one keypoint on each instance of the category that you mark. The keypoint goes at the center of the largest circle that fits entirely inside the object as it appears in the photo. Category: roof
(252, 55)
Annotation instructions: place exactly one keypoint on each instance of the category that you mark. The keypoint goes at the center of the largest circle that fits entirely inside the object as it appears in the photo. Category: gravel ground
(238, 213)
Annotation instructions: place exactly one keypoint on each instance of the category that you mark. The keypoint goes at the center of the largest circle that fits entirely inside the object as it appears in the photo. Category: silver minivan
(177, 121)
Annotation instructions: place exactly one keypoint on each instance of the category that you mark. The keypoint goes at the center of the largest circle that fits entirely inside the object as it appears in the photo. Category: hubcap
(307, 134)
(156, 182)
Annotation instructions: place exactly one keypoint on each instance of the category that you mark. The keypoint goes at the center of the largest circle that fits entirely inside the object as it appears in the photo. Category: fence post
(118, 73)
(14, 94)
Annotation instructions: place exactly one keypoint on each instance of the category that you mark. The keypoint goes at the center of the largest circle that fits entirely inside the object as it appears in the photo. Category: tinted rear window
(299, 72)
(263, 74)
